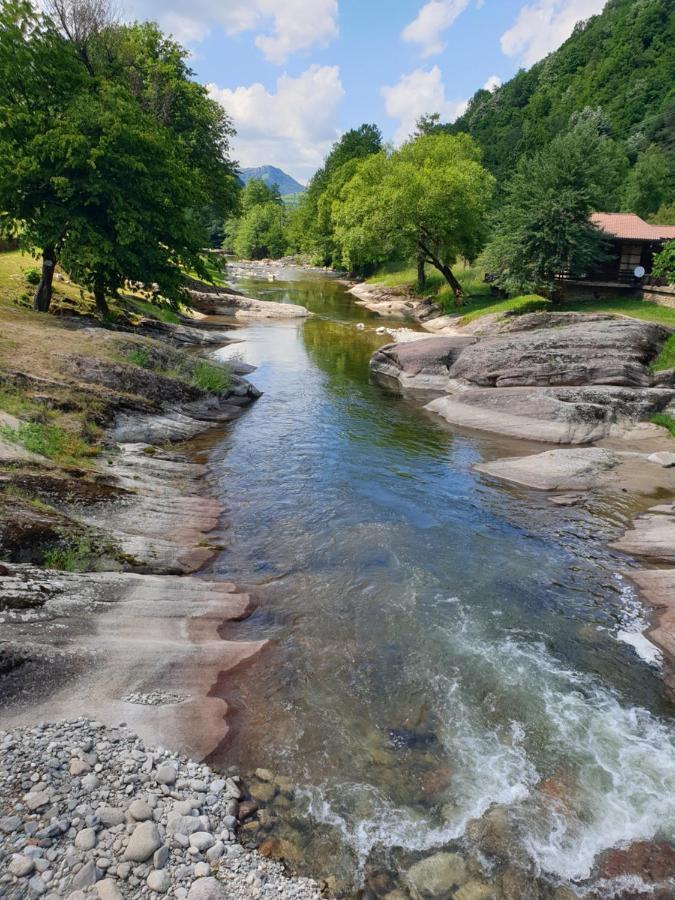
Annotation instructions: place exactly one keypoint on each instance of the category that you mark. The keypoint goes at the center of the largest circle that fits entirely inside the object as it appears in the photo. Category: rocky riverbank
(571, 380)
(103, 616)
(90, 811)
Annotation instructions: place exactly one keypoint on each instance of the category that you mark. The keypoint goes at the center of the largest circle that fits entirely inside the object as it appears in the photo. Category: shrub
(211, 377)
(140, 356)
(664, 263)
(75, 555)
(32, 276)
(665, 421)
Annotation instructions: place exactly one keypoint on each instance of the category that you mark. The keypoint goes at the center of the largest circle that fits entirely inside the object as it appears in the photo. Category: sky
(295, 74)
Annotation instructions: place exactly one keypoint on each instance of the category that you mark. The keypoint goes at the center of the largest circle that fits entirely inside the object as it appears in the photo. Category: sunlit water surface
(439, 643)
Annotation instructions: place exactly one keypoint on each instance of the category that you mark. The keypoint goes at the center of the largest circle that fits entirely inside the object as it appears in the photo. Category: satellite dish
(639, 271)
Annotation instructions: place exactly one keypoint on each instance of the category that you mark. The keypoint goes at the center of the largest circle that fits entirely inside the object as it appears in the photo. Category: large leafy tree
(310, 230)
(122, 179)
(542, 228)
(259, 232)
(428, 201)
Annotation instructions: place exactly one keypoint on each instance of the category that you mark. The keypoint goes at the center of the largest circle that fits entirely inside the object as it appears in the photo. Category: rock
(140, 811)
(161, 857)
(418, 365)
(247, 808)
(37, 886)
(35, 800)
(491, 833)
(21, 865)
(201, 840)
(575, 469)
(85, 839)
(278, 848)
(664, 458)
(226, 304)
(79, 767)
(207, 889)
(185, 825)
(436, 875)
(202, 869)
(477, 890)
(89, 782)
(554, 415)
(262, 791)
(264, 775)
(651, 535)
(86, 877)
(108, 890)
(166, 775)
(8, 824)
(110, 816)
(652, 861)
(595, 351)
(159, 880)
(143, 842)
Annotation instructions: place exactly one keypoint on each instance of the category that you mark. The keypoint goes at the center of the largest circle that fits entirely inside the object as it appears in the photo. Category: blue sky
(294, 74)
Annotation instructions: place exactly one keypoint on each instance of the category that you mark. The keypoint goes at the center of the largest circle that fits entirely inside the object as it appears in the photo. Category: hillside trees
(111, 158)
(259, 231)
(427, 201)
(542, 228)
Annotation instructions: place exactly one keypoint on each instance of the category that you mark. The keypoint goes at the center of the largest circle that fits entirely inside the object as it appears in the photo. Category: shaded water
(438, 643)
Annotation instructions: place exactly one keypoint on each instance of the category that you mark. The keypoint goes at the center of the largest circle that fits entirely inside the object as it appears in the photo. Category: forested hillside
(623, 62)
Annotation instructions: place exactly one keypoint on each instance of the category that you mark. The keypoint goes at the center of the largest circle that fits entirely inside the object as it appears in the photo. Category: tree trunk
(421, 273)
(43, 294)
(454, 284)
(99, 297)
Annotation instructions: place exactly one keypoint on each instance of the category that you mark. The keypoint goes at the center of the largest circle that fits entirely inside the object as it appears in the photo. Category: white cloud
(293, 127)
(414, 95)
(544, 25)
(493, 82)
(432, 19)
(283, 27)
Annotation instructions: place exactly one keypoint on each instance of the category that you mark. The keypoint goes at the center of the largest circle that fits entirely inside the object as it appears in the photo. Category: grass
(74, 556)
(214, 378)
(515, 305)
(162, 311)
(665, 421)
(51, 441)
(625, 306)
(666, 358)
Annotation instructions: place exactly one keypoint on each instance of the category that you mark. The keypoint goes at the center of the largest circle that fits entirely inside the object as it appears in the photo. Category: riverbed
(441, 647)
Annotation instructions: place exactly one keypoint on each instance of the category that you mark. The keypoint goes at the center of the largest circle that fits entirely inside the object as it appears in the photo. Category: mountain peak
(272, 175)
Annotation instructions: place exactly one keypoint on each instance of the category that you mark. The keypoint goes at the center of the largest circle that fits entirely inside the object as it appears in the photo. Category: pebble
(108, 817)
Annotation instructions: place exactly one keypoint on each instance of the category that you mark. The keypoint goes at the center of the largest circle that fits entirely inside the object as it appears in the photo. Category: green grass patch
(666, 358)
(665, 421)
(76, 555)
(517, 306)
(208, 376)
(140, 356)
(624, 306)
(51, 441)
(398, 274)
(163, 311)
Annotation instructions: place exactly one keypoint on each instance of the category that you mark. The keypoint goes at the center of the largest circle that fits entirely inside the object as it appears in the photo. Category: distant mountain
(271, 175)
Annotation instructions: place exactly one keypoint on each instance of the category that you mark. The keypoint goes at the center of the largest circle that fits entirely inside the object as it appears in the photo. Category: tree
(648, 184)
(427, 124)
(542, 228)
(664, 263)
(257, 193)
(428, 201)
(260, 233)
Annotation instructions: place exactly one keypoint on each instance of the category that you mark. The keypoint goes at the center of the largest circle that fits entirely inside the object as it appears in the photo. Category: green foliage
(647, 186)
(622, 61)
(625, 306)
(428, 200)
(260, 233)
(140, 356)
(75, 554)
(665, 421)
(112, 158)
(258, 193)
(664, 215)
(516, 306)
(542, 228)
(47, 440)
(216, 379)
(32, 275)
(664, 263)
(666, 358)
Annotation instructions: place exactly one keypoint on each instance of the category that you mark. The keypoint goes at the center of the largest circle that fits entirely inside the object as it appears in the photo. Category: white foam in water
(616, 763)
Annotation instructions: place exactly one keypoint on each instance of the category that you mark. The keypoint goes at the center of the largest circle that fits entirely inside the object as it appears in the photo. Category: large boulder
(424, 364)
(592, 351)
(577, 468)
(240, 307)
(562, 415)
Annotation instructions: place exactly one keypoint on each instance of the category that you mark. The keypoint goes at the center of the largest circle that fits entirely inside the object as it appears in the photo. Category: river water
(441, 647)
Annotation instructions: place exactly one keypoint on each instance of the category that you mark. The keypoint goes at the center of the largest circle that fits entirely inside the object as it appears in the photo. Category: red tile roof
(631, 227)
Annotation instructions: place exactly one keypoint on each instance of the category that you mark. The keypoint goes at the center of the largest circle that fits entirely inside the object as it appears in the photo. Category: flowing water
(441, 647)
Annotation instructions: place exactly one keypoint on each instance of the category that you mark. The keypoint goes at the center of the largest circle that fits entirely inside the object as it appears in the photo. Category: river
(438, 643)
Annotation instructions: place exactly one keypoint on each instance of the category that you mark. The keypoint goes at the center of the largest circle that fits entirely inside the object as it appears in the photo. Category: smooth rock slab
(664, 458)
(574, 469)
(418, 365)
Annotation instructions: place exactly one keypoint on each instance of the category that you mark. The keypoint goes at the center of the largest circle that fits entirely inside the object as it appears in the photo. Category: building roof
(628, 226)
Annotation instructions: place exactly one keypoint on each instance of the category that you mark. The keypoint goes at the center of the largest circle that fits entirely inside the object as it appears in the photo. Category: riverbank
(104, 525)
